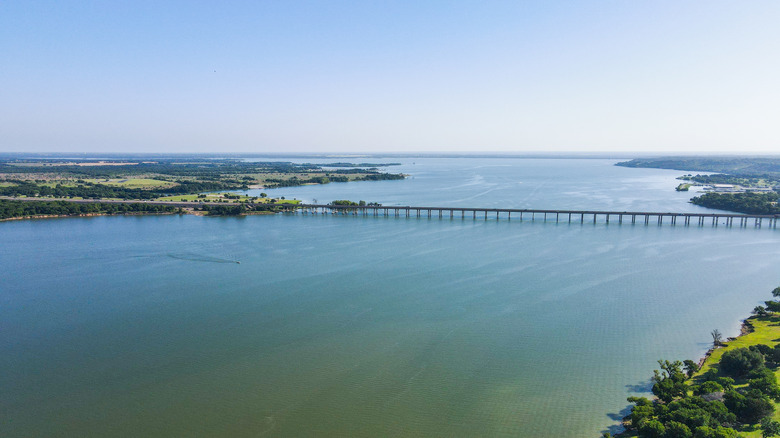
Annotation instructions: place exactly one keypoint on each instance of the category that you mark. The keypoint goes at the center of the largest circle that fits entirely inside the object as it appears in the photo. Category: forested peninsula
(748, 203)
(758, 166)
(741, 184)
(734, 393)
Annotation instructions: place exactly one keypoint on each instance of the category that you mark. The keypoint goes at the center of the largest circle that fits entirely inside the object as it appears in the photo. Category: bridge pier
(398, 211)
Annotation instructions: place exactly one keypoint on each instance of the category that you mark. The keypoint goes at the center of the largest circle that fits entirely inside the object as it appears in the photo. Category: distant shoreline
(57, 216)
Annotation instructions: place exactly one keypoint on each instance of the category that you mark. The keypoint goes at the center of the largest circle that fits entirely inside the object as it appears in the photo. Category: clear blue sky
(390, 76)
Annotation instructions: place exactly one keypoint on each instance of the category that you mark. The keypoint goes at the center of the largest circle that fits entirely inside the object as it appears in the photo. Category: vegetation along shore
(39, 209)
(733, 392)
(748, 185)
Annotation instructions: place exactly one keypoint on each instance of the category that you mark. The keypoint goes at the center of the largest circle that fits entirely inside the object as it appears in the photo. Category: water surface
(367, 326)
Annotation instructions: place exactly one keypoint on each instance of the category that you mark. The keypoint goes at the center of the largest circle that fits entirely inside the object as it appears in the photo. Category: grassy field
(134, 183)
(219, 197)
(766, 331)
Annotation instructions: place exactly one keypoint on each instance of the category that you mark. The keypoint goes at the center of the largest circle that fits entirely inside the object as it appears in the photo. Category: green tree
(726, 382)
(718, 432)
(690, 367)
(749, 407)
(652, 429)
(759, 311)
(670, 381)
(772, 306)
(707, 388)
(740, 361)
(717, 337)
(765, 381)
(769, 427)
(676, 429)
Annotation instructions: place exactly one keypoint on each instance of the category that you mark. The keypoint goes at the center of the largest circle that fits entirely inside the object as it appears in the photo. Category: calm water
(511, 183)
(352, 326)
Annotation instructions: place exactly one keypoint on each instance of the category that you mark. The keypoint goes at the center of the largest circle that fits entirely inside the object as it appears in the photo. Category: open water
(369, 326)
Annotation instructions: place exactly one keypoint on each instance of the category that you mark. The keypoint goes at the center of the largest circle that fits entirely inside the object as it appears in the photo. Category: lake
(370, 326)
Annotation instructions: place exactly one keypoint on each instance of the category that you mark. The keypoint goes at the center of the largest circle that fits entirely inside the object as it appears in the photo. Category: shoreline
(134, 213)
(56, 216)
(745, 328)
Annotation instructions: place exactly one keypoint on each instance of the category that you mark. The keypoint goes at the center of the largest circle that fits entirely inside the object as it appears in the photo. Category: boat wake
(201, 258)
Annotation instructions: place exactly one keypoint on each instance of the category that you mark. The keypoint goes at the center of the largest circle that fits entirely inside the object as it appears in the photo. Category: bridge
(567, 216)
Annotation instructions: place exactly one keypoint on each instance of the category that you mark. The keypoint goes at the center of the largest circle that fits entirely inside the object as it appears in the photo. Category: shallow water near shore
(363, 326)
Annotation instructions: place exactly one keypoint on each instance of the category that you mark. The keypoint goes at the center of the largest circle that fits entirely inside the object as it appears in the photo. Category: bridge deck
(545, 214)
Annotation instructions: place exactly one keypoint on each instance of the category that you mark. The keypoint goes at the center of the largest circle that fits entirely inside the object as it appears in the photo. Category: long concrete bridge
(568, 216)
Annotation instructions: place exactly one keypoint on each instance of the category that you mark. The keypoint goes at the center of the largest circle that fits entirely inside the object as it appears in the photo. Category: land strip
(742, 184)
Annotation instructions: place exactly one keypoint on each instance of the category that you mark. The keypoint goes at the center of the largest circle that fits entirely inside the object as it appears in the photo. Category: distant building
(724, 188)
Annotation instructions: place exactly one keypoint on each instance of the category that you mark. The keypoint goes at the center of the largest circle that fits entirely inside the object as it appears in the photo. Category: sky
(390, 76)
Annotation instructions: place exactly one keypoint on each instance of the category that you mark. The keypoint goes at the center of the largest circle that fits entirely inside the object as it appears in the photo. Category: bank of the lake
(755, 331)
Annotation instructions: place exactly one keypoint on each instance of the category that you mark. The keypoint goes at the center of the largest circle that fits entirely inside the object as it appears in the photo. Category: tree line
(89, 190)
(749, 203)
(17, 209)
(237, 209)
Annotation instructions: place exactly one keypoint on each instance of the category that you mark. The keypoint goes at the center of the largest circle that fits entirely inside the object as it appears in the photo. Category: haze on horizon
(276, 77)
